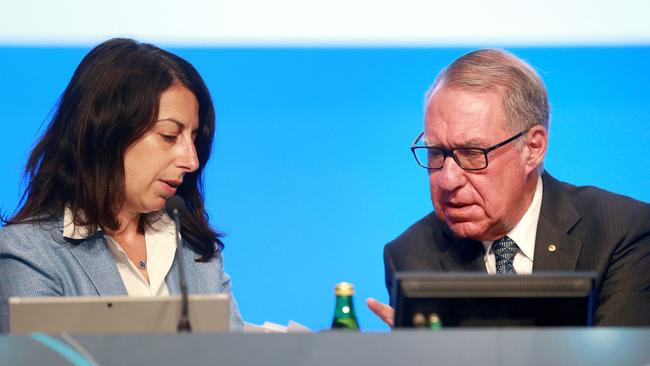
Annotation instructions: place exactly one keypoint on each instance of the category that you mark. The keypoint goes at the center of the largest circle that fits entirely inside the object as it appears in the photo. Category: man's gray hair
(523, 92)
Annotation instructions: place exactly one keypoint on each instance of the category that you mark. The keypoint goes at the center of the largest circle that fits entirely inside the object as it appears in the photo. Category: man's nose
(451, 176)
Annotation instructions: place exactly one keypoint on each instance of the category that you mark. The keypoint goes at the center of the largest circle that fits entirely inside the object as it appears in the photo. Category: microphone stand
(184, 321)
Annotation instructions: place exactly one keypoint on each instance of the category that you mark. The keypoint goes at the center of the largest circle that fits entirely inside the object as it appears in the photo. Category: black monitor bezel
(516, 300)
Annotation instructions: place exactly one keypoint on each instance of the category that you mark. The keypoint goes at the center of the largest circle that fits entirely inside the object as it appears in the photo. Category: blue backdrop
(312, 174)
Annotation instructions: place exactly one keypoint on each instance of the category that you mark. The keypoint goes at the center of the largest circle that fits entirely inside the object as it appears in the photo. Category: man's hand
(385, 312)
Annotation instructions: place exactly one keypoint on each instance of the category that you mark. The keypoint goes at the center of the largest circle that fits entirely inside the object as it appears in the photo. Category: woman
(133, 127)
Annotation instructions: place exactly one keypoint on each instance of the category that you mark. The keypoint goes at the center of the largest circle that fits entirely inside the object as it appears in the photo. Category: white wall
(328, 22)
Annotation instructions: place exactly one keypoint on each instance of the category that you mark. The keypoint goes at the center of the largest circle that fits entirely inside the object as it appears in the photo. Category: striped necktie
(505, 250)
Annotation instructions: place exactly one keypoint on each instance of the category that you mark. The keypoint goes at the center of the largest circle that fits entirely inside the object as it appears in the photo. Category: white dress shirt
(524, 234)
(160, 241)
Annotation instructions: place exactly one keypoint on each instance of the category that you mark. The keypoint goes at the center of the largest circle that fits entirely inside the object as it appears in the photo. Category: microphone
(175, 206)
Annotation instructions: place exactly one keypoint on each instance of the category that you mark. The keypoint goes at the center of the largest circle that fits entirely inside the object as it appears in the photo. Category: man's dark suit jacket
(593, 230)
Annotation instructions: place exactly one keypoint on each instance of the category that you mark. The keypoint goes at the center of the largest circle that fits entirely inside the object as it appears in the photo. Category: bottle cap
(419, 321)
(344, 289)
(434, 321)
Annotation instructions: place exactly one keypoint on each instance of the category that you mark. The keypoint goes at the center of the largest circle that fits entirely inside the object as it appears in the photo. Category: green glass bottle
(344, 317)
(434, 322)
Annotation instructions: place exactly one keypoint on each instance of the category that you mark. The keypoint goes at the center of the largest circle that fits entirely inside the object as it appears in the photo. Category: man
(497, 210)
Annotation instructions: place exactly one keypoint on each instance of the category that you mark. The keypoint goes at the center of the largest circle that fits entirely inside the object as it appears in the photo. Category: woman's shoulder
(31, 233)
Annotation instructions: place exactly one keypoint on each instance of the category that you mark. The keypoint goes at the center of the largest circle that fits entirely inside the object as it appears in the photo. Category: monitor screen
(433, 299)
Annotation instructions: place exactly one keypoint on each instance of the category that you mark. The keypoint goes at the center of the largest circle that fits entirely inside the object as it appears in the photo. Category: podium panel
(486, 347)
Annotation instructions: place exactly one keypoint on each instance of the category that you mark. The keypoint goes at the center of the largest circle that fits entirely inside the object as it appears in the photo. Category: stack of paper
(268, 327)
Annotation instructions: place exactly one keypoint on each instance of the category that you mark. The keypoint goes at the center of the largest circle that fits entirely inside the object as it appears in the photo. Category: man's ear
(535, 147)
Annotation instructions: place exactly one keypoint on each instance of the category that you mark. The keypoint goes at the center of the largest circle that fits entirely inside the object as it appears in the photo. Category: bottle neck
(344, 307)
(344, 317)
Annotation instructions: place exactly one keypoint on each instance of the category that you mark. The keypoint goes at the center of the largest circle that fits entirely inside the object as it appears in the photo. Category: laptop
(116, 314)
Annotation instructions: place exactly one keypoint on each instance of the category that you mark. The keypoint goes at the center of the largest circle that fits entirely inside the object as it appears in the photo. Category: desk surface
(485, 347)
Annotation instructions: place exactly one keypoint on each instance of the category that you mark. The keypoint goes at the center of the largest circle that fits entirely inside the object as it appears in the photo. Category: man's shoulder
(591, 196)
(595, 201)
(597, 216)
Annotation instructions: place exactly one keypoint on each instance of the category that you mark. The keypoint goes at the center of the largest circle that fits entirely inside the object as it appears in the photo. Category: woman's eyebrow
(180, 124)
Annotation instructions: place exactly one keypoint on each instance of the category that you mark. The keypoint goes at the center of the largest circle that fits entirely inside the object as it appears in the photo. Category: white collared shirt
(160, 244)
(524, 234)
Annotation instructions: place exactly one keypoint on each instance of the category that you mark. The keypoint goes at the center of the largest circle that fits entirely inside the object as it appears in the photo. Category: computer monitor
(480, 299)
(116, 314)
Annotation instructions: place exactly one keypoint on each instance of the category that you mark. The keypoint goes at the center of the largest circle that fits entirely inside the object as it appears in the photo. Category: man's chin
(467, 229)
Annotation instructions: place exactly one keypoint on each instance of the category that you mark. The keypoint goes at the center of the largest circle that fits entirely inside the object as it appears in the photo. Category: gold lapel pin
(552, 248)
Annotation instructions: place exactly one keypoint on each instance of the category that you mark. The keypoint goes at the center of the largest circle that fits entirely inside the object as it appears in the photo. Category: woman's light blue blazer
(36, 260)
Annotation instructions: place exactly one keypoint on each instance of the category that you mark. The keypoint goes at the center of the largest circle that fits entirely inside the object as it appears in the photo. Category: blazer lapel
(96, 260)
(461, 254)
(172, 278)
(555, 249)
(201, 278)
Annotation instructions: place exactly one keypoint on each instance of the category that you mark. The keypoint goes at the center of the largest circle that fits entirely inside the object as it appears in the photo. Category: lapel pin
(552, 248)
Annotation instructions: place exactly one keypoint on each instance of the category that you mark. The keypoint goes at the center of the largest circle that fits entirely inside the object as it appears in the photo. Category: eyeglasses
(468, 158)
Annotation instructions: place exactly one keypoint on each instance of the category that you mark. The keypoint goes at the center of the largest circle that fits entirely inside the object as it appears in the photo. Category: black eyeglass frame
(451, 152)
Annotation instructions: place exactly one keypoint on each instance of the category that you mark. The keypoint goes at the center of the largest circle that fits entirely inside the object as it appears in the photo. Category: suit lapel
(97, 262)
(201, 278)
(172, 277)
(555, 249)
(460, 254)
